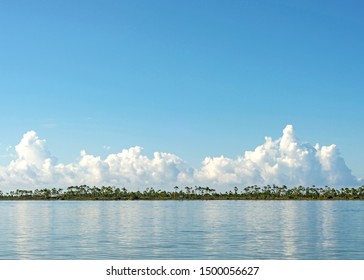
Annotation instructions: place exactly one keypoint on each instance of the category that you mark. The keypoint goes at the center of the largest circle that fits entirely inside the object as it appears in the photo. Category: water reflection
(182, 230)
(327, 227)
(31, 229)
(288, 219)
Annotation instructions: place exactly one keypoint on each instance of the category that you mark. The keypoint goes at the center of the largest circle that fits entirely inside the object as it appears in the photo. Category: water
(182, 230)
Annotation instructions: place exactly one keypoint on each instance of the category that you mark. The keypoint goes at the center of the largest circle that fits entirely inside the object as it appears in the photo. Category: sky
(141, 92)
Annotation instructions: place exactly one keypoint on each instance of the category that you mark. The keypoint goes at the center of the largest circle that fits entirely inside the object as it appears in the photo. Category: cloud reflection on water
(181, 230)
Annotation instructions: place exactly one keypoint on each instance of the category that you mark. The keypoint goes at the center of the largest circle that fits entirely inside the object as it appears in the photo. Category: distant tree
(188, 189)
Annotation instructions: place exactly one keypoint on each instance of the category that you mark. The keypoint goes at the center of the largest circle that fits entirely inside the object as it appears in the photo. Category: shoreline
(255, 192)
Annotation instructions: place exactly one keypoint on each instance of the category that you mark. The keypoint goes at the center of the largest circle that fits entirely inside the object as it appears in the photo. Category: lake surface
(182, 230)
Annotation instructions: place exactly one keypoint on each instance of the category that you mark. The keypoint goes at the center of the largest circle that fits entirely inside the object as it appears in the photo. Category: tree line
(267, 192)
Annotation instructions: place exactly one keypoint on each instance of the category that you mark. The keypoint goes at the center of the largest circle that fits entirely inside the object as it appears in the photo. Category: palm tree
(188, 189)
(54, 192)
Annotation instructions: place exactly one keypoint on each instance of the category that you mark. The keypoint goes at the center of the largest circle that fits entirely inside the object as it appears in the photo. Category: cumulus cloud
(285, 161)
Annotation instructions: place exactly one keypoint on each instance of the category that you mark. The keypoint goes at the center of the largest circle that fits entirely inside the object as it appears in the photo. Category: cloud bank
(285, 161)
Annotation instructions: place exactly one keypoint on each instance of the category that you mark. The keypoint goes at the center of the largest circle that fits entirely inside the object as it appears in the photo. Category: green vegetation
(268, 192)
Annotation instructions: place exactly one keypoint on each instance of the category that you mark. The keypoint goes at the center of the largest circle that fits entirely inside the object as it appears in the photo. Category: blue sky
(192, 78)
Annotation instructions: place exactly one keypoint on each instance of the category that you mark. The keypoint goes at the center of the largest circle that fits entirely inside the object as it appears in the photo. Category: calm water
(182, 230)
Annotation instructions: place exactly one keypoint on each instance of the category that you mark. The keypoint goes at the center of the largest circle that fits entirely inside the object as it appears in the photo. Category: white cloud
(285, 161)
